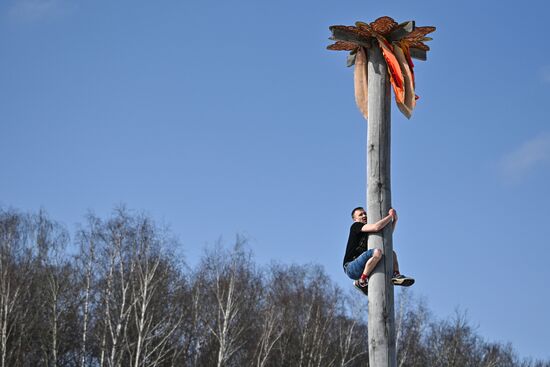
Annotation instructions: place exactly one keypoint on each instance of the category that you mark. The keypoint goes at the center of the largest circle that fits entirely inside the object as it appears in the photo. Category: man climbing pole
(359, 262)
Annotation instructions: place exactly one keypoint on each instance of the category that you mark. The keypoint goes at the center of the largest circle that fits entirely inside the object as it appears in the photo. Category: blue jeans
(355, 268)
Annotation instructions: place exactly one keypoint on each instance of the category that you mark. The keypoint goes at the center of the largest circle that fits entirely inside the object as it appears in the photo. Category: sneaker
(363, 287)
(402, 280)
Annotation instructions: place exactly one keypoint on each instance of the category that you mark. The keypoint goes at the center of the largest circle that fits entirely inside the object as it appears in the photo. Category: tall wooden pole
(382, 349)
(401, 41)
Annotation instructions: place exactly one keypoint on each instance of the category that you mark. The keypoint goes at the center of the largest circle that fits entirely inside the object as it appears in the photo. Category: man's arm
(393, 212)
(378, 226)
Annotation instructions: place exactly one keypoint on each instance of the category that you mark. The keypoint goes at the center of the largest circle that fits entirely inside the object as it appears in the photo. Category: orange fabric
(405, 47)
(396, 76)
(407, 53)
(409, 103)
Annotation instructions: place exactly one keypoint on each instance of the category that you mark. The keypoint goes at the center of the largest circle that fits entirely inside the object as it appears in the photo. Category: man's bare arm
(378, 226)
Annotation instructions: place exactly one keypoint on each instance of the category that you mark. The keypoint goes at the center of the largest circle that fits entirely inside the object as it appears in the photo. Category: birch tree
(56, 301)
(271, 330)
(351, 329)
(15, 271)
(195, 329)
(115, 288)
(87, 266)
(411, 328)
(154, 285)
(234, 286)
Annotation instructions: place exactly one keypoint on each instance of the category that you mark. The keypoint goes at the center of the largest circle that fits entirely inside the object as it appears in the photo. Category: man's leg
(398, 278)
(372, 262)
(369, 267)
(363, 281)
(395, 264)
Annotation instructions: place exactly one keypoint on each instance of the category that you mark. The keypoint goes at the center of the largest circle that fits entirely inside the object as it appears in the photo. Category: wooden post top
(400, 43)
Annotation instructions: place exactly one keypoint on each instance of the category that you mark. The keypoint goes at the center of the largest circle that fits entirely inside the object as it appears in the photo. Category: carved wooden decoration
(400, 43)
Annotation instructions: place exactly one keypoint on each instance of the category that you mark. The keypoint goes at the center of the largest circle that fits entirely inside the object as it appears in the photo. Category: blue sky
(220, 118)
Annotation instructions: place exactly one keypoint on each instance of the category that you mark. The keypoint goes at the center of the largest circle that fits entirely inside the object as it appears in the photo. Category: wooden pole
(382, 348)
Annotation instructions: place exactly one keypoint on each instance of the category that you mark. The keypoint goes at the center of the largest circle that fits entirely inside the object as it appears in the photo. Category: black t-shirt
(357, 242)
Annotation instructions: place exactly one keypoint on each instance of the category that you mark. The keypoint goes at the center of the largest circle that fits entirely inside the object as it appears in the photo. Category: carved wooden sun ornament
(400, 43)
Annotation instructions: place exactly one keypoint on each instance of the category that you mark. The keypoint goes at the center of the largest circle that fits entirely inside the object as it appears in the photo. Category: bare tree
(15, 270)
(234, 291)
(271, 330)
(194, 331)
(453, 343)
(320, 311)
(352, 331)
(496, 355)
(315, 321)
(86, 265)
(411, 327)
(136, 316)
(115, 289)
(271, 325)
(152, 282)
(55, 298)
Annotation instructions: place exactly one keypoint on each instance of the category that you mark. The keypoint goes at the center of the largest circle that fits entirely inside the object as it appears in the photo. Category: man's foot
(402, 280)
(362, 286)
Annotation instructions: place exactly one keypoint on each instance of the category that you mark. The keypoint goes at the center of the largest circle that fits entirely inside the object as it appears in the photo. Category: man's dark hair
(355, 209)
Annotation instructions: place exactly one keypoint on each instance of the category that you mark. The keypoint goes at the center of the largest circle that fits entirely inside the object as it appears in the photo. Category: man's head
(359, 215)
